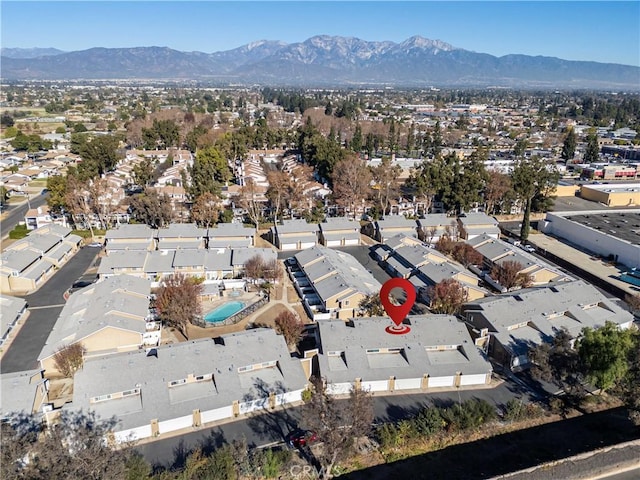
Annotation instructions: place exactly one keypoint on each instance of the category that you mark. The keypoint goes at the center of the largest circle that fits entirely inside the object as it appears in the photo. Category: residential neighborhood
(235, 247)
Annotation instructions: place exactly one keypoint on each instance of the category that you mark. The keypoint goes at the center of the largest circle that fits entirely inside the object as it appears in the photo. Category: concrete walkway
(598, 268)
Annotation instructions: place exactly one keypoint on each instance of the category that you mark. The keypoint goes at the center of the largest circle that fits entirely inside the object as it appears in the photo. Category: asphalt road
(44, 307)
(15, 213)
(270, 428)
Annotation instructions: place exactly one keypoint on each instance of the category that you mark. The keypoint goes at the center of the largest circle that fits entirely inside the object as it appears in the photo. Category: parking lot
(45, 306)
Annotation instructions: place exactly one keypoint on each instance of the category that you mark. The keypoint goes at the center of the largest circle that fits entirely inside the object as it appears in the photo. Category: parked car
(300, 438)
(95, 245)
(529, 248)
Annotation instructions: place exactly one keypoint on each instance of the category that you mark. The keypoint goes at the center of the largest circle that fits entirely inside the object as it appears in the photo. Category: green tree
(57, 186)
(532, 177)
(162, 134)
(99, 155)
(151, 208)
(592, 152)
(604, 354)
(356, 140)
(143, 172)
(371, 306)
(209, 171)
(569, 145)
(4, 195)
(10, 132)
(520, 147)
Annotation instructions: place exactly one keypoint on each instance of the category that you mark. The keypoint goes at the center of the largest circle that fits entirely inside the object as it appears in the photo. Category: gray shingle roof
(333, 224)
(130, 231)
(474, 219)
(532, 315)
(364, 334)
(181, 230)
(18, 392)
(240, 256)
(298, 226)
(175, 362)
(348, 273)
(120, 301)
(10, 309)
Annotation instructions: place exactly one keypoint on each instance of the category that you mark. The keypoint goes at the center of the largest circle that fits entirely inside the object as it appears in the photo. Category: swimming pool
(223, 312)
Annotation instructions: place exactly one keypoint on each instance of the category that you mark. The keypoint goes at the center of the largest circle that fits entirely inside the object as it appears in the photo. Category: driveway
(44, 307)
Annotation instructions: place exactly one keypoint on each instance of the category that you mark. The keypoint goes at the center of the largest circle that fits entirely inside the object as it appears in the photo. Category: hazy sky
(599, 31)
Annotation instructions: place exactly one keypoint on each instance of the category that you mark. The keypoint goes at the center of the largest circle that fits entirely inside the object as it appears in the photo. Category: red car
(301, 438)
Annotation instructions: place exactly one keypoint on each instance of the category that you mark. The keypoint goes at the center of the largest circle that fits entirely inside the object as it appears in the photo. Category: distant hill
(325, 61)
(29, 52)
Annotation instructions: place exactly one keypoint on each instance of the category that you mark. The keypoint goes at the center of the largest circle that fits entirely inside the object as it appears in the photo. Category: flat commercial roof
(625, 226)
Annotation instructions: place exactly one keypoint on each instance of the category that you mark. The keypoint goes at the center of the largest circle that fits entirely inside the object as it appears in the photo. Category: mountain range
(321, 61)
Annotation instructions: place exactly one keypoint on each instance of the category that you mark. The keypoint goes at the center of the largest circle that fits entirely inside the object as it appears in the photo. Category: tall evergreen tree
(569, 145)
(592, 153)
(532, 177)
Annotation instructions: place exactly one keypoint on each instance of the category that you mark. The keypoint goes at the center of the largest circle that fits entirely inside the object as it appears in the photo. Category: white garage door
(479, 379)
(133, 434)
(304, 245)
(175, 424)
(353, 241)
(289, 246)
(376, 386)
(217, 414)
(333, 243)
(338, 388)
(407, 383)
(440, 382)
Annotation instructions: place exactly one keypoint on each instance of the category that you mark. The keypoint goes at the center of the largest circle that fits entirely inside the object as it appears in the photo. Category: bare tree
(386, 187)
(254, 268)
(351, 181)
(178, 301)
(448, 296)
(509, 274)
(77, 200)
(430, 234)
(277, 193)
(69, 359)
(289, 325)
(466, 254)
(497, 189)
(251, 200)
(272, 270)
(206, 210)
(74, 448)
(338, 423)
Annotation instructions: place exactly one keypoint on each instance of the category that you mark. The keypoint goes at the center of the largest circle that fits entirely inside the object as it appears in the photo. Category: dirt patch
(292, 295)
(302, 313)
(268, 317)
(60, 391)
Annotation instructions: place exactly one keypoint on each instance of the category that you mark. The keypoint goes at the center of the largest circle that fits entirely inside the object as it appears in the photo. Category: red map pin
(398, 312)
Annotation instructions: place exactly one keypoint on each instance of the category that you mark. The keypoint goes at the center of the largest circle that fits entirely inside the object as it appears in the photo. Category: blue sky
(599, 31)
